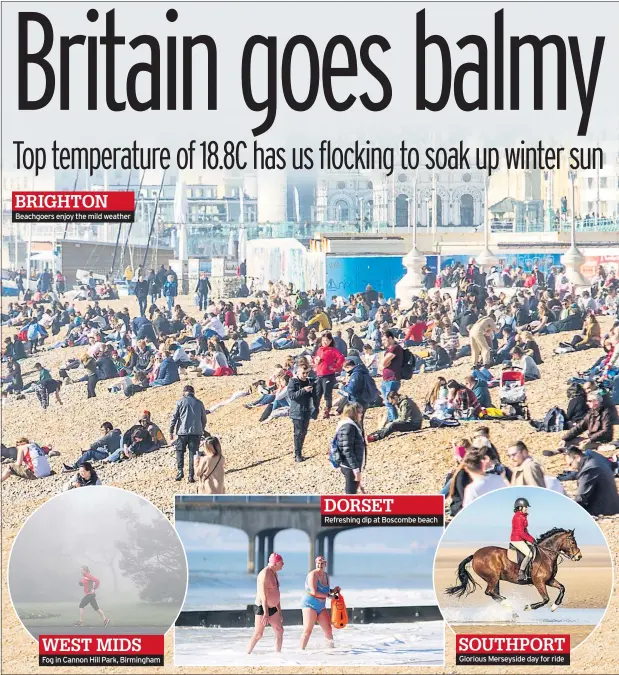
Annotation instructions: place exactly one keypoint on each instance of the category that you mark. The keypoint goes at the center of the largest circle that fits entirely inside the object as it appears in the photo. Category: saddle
(520, 556)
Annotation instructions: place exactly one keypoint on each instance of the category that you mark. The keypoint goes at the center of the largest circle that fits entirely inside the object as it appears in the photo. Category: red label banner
(73, 201)
(376, 505)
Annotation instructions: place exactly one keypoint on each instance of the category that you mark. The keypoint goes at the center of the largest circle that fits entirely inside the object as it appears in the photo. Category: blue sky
(391, 540)
(488, 519)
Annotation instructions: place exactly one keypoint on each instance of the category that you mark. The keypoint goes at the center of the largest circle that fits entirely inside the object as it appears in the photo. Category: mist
(126, 543)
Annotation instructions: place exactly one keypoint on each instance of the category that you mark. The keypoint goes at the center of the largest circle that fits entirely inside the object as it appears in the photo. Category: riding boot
(522, 577)
(179, 464)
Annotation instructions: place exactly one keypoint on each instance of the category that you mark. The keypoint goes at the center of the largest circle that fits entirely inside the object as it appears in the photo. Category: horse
(492, 565)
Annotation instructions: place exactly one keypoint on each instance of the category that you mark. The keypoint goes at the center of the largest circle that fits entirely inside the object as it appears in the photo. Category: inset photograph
(523, 560)
(270, 585)
(97, 561)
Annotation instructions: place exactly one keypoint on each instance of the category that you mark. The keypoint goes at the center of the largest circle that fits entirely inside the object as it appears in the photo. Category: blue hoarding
(351, 274)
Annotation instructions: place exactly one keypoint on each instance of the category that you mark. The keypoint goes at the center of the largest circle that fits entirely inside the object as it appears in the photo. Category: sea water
(219, 579)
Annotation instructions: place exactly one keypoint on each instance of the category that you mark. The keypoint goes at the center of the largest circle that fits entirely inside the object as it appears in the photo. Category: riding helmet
(520, 502)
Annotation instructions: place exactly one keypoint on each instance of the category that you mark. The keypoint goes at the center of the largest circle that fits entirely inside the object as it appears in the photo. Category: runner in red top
(520, 537)
(90, 584)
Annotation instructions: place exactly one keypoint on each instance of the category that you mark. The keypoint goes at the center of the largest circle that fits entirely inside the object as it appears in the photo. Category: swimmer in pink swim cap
(267, 608)
(313, 603)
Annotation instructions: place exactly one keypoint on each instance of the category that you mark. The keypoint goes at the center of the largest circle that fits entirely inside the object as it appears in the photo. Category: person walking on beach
(313, 603)
(267, 608)
(189, 423)
(90, 584)
(303, 407)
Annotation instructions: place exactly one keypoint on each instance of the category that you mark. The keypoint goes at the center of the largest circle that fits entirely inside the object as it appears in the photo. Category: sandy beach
(259, 459)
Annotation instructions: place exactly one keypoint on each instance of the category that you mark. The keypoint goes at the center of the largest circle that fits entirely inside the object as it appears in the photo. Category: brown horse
(492, 565)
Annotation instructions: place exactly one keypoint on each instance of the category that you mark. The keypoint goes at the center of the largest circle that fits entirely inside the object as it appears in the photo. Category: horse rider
(520, 538)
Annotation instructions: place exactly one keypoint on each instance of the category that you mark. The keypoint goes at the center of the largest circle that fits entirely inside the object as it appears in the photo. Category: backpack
(334, 453)
(408, 365)
(370, 390)
(554, 420)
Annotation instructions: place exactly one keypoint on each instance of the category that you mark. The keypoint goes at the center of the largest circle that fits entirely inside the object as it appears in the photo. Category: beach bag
(339, 615)
(23, 335)
(437, 423)
(334, 453)
(408, 365)
(554, 420)
(491, 412)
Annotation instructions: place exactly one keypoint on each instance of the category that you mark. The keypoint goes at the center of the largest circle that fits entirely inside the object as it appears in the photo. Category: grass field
(125, 617)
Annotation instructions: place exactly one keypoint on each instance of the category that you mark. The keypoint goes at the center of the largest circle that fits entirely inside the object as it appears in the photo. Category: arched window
(401, 211)
(341, 211)
(466, 210)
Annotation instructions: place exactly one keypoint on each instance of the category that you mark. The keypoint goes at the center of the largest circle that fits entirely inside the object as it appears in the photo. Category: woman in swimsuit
(313, 603)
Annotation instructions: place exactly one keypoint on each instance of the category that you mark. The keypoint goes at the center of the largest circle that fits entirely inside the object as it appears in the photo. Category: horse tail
(467, 584)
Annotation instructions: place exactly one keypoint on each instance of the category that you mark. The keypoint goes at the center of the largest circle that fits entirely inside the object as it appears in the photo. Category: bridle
(561, 555)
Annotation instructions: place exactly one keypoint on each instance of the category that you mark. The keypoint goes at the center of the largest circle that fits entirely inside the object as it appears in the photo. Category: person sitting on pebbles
(597, 424)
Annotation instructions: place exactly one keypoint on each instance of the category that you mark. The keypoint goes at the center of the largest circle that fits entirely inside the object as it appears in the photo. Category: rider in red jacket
(328, 363)
(520, 537)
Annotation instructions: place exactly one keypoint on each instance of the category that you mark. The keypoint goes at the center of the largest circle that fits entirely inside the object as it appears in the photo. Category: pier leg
(261, 541)
(251, 555)
(331, 556)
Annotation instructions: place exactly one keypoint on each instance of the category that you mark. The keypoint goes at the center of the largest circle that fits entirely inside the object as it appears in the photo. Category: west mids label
(512, 650)
(101, 650)
(401, 510)
(60, 207)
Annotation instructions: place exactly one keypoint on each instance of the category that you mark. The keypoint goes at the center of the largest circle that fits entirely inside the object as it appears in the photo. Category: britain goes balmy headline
(198, 59)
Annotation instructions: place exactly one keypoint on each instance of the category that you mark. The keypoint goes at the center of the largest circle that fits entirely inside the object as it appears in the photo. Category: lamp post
(414, 261)
(573, 258)
(486, 258)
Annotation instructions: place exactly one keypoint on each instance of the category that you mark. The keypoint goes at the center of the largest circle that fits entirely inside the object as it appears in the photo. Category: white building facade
(599, 188)
(456, 196)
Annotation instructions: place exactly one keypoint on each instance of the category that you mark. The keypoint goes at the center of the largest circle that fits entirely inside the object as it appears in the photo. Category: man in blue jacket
(168, 372)
(170, 291)
(360, 387)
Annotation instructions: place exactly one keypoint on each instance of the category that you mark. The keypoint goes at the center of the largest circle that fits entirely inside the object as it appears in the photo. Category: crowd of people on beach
(343, 356)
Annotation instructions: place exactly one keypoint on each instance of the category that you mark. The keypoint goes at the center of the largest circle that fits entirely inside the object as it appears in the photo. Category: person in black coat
(351, 446)
(597, 491)
(141, 293)
(302, 394)
(354, 341)
(154, 287)
(577, 406)
(106, 369)
(203, 288)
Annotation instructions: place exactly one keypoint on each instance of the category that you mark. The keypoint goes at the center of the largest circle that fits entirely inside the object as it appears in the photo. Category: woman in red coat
(520, 537)
(328, 362)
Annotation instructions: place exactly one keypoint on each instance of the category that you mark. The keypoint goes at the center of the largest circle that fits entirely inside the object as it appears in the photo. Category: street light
(572, 259)
(486, 258)
(572, 177)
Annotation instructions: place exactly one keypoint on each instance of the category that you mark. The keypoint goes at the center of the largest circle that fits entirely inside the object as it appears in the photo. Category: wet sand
(587, 586)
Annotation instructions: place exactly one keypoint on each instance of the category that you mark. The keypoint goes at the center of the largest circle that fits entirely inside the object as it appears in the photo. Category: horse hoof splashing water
(493, 566)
